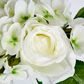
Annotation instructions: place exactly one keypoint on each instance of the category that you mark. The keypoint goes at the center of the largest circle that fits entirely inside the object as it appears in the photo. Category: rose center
(43, 44)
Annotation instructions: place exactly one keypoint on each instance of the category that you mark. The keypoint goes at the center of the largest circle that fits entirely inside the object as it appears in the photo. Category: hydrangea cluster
(39, 41)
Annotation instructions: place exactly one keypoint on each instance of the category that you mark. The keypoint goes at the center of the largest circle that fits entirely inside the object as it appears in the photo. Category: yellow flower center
(43, 44)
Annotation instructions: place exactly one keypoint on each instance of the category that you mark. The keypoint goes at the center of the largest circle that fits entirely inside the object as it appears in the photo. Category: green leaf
(69, 81)
(1, 56)
(67, 32)
(2, 69)
(78, 77)
(80, 14)
(12, 60)
(39, 82)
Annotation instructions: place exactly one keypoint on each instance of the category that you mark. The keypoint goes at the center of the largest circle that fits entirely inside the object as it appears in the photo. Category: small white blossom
(23, 10)
(54, 11)
(11, 39)
(77, 41)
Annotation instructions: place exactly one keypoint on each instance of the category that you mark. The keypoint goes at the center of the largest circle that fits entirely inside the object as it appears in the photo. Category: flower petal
(9, 8)
(58, 5)
(78, 21)
(57, 72)
(31, 8)
(46, 1)
(78, 41)
(2, 13)
(11, 39)
(20, 9)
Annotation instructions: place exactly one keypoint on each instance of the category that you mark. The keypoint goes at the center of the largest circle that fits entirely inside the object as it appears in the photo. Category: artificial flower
(54, 11)
(11, 39)
(9, 8)
(2, 4)
(41, 46)
(23, 10)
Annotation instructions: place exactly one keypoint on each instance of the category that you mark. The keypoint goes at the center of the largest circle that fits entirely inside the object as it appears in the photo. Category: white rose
(11, 39)
(47, 50)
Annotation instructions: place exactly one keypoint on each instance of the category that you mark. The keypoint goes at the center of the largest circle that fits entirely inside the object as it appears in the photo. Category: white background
(75, 6)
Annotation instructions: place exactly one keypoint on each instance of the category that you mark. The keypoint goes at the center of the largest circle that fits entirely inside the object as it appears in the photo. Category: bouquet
(41, 42)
